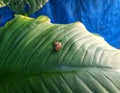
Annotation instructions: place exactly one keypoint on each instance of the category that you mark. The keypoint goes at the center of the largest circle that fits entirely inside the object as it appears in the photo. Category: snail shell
(58, 46)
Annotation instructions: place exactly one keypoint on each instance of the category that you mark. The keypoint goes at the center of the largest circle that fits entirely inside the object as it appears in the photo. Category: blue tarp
(99, 16)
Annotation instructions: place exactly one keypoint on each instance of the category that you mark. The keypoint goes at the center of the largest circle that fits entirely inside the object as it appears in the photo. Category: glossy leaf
(29, 62)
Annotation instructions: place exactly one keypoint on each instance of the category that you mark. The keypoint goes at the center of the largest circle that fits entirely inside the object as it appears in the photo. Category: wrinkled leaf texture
(30, 64)
(25, 6)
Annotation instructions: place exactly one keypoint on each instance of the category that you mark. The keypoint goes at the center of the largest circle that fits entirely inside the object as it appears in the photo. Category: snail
(58, 46)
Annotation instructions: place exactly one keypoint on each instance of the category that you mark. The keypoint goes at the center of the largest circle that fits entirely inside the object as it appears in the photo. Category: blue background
(99, 16)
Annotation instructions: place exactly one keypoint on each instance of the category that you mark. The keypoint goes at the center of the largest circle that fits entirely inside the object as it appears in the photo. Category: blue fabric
(99, 16)
(5, 15)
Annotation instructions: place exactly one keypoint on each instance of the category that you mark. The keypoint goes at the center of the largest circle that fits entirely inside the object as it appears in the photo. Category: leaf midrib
(13, 76)
(60, 69)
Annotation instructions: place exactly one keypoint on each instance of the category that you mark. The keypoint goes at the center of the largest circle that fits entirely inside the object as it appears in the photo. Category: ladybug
(58, 46)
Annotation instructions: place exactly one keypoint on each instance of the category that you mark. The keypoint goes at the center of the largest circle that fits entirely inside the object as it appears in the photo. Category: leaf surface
(30, 64)
(2, 4)
(25, 7)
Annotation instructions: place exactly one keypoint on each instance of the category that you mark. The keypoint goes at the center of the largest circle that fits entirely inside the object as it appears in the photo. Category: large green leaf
(30, 64)
(19, 5)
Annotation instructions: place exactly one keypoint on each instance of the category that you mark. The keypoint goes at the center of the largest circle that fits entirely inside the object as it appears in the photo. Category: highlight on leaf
(2, 4)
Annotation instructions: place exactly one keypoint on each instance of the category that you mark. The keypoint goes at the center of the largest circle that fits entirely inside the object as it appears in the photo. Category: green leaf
(2, 4)
(30, 64)
(19, 6)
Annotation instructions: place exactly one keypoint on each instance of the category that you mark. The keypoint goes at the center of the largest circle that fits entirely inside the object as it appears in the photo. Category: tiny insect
(58, 46)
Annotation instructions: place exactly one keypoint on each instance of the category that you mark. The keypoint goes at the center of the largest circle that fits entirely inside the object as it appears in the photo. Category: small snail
(58, 46)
